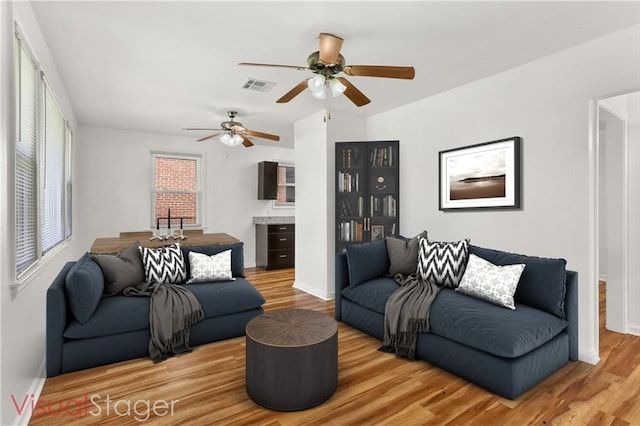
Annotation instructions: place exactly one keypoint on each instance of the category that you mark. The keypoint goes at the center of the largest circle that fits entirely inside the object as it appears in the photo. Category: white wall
(633, 226)
(312, 178)
(114, 181)
(546, 102)
(315, 212)
(22, 333)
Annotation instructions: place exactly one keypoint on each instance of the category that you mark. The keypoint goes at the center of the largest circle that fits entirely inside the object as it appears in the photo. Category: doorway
(618, 222)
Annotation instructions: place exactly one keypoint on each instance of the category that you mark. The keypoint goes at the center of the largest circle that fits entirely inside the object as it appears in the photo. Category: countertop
(273, 220)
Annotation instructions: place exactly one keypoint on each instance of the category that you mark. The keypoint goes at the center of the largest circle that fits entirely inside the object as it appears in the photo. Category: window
(286, 195)
(42, 164)
(176, 190)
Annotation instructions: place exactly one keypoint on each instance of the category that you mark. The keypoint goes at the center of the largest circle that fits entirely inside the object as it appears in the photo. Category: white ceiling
(162, 66)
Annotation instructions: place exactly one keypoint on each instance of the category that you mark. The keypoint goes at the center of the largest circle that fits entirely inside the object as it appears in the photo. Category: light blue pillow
(84, 284)
(367, 261)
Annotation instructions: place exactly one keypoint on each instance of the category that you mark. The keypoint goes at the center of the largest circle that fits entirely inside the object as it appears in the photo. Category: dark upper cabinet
(367, 191)
(267, 180)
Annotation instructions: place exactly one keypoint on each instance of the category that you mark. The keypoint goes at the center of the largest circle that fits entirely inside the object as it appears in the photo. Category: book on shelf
(382, 157)
(383, 206)
(350, 230)
(348, 182)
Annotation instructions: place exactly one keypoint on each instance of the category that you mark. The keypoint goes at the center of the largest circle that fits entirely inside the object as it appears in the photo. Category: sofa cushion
(367, 261)
(372, 294)
(403, 254)
(543, 281)
(494, 283)
(164, 265)
(237, 256)
(121, 270)
(205, 268)
(84, 285)
(120, 314)
(442, 263)
(491, 328)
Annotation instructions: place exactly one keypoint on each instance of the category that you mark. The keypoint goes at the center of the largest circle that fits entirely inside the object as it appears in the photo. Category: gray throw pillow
(121, 270)
(403, 254)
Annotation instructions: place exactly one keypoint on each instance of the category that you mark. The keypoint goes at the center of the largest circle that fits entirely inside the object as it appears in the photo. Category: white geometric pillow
(206, 268)
(164, 265)
(493, 283)
(442, 263)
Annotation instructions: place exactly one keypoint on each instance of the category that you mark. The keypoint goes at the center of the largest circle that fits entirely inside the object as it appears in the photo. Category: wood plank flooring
(374, 387)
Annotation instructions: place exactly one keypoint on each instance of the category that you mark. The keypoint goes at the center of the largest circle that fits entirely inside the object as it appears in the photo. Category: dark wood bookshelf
(367, 202)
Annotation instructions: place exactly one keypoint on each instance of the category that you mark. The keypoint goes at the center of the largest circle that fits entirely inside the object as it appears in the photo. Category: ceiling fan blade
(253, 64)
(262, 135)
(352, 92)
(380, 71)
(238, 129)
(247, 143)
(330, 46)
(207, 137)
(293, 92)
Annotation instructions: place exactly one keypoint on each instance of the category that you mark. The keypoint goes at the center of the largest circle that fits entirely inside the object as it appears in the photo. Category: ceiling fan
(234, 133)
(326, 63)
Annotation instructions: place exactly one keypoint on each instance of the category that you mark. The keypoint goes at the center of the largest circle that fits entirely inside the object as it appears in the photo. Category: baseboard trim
(313, 291)
(589, 356)
(23, 419)
(633, 329)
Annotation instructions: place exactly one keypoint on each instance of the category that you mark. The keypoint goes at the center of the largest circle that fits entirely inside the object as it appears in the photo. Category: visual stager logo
(94, 405)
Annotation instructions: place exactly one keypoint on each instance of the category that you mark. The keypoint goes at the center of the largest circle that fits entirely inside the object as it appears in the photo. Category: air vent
(258, 85)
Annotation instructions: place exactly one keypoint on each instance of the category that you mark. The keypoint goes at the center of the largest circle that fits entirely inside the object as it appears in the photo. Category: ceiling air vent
(258, 85)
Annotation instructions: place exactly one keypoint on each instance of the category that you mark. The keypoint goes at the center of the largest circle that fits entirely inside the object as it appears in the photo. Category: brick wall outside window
(286, 185)
(176, 185)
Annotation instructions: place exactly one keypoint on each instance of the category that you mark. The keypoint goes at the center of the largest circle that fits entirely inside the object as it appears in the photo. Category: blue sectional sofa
(502, 350)
(118, 329)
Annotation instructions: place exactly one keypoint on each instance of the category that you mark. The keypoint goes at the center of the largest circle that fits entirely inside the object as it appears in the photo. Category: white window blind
(26, 74)
(53, 172)
(43, 174)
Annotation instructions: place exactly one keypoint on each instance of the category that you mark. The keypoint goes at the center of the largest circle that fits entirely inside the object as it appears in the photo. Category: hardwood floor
(374, 387)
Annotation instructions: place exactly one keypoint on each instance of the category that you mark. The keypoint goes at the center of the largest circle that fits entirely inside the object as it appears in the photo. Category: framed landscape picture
(485, 175)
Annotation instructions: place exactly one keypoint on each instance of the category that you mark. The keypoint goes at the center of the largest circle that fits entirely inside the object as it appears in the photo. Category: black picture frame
(481, 176)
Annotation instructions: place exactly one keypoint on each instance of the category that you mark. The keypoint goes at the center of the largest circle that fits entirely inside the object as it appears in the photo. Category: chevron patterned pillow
(442, 263)
(164, 265)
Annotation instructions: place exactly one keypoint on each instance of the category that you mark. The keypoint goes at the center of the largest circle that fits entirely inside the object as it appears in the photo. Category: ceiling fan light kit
(318, 86)
(231, 140)
(326, 63)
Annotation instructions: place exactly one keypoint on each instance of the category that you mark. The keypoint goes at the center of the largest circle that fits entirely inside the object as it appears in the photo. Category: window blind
(26, 159)
(43, 174)
(53, 143)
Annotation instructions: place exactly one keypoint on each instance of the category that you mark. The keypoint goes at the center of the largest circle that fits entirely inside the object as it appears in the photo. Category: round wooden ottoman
(292, 359)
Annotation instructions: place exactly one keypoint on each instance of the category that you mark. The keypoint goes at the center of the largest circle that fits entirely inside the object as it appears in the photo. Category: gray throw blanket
(406, 314)
(172, 311)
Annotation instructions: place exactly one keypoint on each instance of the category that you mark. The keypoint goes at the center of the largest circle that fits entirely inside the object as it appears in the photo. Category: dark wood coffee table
(292, 359)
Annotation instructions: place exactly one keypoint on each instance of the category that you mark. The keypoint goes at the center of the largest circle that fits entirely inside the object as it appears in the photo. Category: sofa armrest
(342, 281)
(571, 312)
(57, 314)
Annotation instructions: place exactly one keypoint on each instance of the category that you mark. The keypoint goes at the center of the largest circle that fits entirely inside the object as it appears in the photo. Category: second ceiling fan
(326, 63)
(233, 133)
